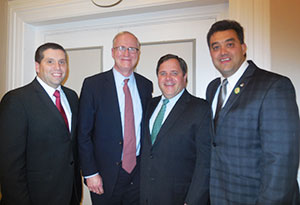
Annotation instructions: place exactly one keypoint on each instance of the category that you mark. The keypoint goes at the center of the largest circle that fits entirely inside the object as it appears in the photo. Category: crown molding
(40, 12)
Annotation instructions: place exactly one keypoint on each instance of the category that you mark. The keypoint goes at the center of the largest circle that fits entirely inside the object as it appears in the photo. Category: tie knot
(126, 80)
(224, 82)
(56, 94)
(165, 101)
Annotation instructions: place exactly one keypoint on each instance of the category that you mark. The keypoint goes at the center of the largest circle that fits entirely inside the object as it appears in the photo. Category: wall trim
(27, 19)
(28, 23)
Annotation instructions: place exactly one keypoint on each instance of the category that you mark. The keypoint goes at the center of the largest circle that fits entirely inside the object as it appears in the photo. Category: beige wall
(285, 40)
(3, 42)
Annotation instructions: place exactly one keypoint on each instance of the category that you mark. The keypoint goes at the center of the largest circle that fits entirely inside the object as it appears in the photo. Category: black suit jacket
(99, 128)
(38, 154)
(255, 153)
(175, 169)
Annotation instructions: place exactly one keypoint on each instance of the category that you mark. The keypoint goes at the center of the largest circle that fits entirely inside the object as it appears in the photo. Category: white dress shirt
(64, 102)
(169, 107)
(232, 80)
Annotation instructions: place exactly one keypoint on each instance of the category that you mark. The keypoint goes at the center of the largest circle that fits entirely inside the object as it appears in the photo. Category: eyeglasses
(131, 50)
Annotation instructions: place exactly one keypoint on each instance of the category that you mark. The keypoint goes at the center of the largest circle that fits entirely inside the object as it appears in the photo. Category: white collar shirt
(63, 98)
(136, 101)
(232, 80)
(169, 107)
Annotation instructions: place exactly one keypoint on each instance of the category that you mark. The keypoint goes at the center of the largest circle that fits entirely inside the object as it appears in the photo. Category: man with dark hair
(38, 144)
(111, 108)
(176, 147)
(255, 147)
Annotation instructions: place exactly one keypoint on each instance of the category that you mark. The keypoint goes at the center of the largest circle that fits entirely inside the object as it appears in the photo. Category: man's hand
(95, 184)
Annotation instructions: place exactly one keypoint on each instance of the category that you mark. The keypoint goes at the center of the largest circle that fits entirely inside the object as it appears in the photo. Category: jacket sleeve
(279, 133)
(199, 188)
(13, 129)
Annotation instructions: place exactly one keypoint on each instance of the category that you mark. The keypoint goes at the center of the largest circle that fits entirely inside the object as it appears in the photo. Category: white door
(89, 48)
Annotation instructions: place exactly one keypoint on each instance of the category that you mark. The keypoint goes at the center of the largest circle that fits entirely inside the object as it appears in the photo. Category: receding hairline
(124, 33)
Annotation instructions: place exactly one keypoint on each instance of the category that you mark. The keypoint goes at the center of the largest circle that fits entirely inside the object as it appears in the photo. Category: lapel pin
(237, 90)
(242, 85)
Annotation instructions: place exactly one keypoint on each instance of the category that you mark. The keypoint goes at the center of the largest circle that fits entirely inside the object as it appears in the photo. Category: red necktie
(129, 145)
(60, 108)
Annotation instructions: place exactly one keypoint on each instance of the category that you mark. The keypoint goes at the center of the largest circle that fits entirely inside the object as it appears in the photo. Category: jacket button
(117, 163)
(72, 162)
(151, 156)
(214, 144)
(120, 142)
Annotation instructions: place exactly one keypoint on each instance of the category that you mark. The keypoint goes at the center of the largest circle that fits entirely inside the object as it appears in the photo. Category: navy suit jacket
(175, 169)
(38, 155)
(99, 127)
(255, 152)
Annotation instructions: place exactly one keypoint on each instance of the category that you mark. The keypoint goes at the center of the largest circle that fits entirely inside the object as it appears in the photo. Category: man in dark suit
(255, 149)
(38, 148)
(175, 156)
(110, 115)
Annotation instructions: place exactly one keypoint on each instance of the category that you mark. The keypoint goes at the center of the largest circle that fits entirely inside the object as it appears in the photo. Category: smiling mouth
(169, 84)
(57, 74)
(224, 60)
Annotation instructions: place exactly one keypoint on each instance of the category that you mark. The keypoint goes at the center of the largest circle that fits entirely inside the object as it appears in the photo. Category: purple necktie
(129, 145)
(60, 108)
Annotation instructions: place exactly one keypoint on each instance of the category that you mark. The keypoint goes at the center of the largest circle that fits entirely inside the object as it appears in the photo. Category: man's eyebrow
(227, 40)
(230, 39)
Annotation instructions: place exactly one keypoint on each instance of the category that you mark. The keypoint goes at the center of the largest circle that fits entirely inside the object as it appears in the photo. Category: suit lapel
(237, 92)
(141, 91)
(47, 102)
(175, 113)
(112, 96)
(214, 87)
(152, 105)
(73, 108)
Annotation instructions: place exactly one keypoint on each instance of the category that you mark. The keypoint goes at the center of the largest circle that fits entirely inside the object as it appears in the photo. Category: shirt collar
(175, 98)
(232, 80)
(50, 90)
(119, 78)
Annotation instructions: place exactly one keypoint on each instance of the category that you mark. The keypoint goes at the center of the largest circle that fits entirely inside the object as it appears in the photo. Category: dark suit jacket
(100, 129)
(38, 155)
(176, 168)
(255, 151)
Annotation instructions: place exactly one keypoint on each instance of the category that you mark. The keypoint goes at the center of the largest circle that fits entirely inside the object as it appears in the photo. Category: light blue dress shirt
(137, 105)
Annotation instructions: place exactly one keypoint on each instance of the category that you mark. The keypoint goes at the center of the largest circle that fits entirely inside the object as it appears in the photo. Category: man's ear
(244, 48)
(37, 67)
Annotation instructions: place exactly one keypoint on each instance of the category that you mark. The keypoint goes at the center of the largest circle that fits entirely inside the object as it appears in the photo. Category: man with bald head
(110, 115)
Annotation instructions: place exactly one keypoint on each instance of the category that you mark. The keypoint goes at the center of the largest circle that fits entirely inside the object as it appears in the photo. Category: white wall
(3, 43)
(33, 22)
(181, 31)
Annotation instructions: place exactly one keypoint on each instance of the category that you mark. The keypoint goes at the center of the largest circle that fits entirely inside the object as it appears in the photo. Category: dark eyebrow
(214, 44)
(230, 39)
(227, 40)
